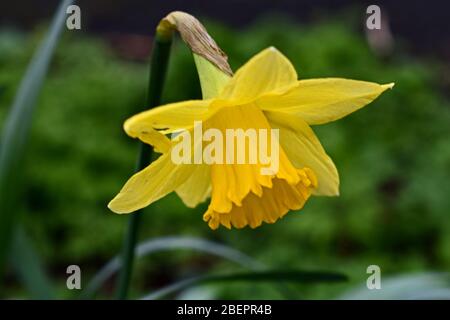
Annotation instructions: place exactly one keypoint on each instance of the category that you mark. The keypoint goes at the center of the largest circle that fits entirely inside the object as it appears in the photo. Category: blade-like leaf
(255, 276)
(430, 285)
(28, 265)
(170, 243)
(17, 126)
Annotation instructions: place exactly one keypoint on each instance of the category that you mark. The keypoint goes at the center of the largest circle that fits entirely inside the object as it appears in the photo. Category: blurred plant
(422, 286)
(13, 142)
(394, 157)
(169, 243)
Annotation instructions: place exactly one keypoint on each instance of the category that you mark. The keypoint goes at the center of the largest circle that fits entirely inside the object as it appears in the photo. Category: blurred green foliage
(393, 158)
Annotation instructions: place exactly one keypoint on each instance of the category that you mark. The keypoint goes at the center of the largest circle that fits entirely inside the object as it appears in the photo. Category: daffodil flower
(265, 93)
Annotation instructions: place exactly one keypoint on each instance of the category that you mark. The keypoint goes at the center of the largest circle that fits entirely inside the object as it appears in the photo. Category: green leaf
(17, 127)
(29, 268)
(418, 286)
(255, 276)
(169, 243)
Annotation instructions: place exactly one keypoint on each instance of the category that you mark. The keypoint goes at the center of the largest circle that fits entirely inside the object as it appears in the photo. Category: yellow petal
(156, 139)
(320, 101)
(152, 183)
(266, 72)
(303, 149)
(197, 187)
(167, 118)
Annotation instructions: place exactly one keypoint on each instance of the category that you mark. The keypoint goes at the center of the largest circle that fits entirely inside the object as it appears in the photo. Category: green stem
(158, 67)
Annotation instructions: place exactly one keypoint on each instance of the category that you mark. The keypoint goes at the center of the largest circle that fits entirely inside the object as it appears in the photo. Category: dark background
(423, 24)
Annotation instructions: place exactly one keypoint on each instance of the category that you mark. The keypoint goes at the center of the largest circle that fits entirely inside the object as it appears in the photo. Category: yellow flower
(263, 94)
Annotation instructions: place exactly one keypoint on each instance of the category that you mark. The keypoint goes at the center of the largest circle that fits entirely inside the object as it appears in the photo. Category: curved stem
(158, 67)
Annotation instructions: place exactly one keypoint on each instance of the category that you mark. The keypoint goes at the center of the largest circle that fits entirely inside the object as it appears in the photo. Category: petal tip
(116, 209)
(111, 206)
(389, 85)
(127, 127)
